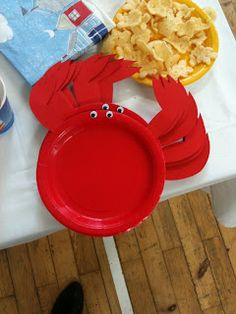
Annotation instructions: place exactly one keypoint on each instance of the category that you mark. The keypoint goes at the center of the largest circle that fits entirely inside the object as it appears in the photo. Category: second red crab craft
(102, 168)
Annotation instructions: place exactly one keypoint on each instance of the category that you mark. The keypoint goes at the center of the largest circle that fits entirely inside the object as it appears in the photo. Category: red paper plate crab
(101, 167)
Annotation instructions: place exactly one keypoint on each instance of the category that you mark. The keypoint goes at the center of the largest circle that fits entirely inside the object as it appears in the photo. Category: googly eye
(93, 114)
(105, 107)
(120, 109)
(109, 114)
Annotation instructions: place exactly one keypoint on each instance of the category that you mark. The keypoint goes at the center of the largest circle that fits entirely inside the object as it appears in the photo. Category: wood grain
(138, 287)
(194, 252)
(204, 217)
(95, 293)
(158, 280)
(6, 287)
(107, 277)
(229, 237)
(63, 258)
(134, 271)
(85, 253)
(155, 267)
(223, 273)
(42, 264)
(127, 246)
(8, 305)
(47, 296)
(23, 280)
(214, 310)
(165, 226)
(182, 282)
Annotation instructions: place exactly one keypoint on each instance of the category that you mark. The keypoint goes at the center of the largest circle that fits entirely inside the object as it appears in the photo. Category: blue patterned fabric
(35, 34)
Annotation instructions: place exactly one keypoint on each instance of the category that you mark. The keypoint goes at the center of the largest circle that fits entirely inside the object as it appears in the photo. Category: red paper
(100, 176)
(68, 85)
(184, 125)
(190, 146)
(171, 97)
(190, 167)
(98, 84)
(111, 107)
(111, 67)
(182, 134)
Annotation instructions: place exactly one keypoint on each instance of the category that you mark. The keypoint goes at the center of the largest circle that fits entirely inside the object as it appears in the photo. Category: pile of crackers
(163, 37)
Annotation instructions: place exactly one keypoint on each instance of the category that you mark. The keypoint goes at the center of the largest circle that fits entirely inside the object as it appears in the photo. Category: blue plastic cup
(6, 114)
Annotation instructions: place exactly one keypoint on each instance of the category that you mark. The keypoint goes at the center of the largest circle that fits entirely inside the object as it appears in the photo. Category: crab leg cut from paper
(179, 111)
(71, 84)
(181, 133)
(190, 146)
(185, 124)
(190, 167)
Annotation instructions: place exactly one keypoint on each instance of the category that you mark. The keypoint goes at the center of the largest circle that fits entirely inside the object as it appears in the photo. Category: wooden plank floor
(182, 259)
(179, 260)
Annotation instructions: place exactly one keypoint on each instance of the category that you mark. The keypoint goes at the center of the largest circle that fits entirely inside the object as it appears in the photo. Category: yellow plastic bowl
(211, 41)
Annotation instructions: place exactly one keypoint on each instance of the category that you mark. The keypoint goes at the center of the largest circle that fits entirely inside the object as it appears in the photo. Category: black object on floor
(70, 300)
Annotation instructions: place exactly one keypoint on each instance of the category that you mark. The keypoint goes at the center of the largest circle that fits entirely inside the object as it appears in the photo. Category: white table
(22, 215)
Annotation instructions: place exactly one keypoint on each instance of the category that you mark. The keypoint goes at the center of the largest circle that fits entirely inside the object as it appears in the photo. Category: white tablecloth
(22, 214)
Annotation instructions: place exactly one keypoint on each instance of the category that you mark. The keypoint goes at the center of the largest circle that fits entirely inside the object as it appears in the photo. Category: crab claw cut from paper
(180, 131)
(178, 110)
(69, 85)
(99, 86)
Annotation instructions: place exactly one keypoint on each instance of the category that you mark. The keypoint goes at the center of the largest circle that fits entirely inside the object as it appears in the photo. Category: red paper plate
(100, 173)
